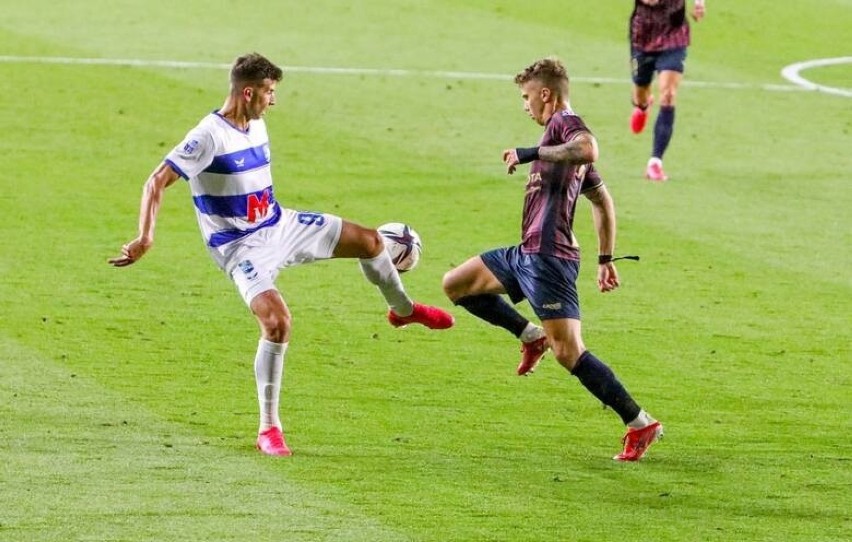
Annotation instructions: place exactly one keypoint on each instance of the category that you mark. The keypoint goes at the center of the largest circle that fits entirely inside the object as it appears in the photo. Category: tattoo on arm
(583, 149)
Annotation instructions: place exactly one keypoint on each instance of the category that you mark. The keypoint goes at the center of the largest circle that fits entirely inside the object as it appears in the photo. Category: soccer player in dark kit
(659, 36)
(543, 268)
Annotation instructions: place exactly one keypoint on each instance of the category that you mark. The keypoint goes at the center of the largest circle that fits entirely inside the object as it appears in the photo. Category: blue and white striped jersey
(230, 178)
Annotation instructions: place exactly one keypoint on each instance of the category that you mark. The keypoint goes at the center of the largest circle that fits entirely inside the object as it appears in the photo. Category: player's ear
(248, 92)
(546, 94)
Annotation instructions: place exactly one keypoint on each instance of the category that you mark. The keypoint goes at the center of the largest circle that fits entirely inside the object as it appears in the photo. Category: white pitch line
(110, 62)
(791, 73)
(802, 85)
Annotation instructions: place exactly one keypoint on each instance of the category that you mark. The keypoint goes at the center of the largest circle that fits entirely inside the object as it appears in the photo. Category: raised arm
(152, 197)
(603, 214)
(582, 149)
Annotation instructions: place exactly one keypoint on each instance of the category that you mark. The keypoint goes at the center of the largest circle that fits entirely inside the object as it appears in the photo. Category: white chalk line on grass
(791, 73)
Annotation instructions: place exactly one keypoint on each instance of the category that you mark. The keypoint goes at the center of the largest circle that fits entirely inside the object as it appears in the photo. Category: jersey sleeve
(591, 180)
(567, 128)
(192, 155)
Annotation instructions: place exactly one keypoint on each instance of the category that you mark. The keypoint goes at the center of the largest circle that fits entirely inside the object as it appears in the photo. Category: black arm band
(526, 155)
(604, 258)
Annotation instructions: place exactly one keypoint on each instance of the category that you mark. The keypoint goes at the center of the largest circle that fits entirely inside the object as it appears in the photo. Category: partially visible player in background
(543, 268)
(659, 37)
(226, 159)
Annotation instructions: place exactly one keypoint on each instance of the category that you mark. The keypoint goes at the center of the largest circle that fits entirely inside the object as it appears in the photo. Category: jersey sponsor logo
(236, 206)
(257, 207)
(240, 163)
(533, 182)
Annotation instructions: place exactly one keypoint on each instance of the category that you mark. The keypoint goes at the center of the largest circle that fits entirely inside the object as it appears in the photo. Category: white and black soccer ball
(402, 243)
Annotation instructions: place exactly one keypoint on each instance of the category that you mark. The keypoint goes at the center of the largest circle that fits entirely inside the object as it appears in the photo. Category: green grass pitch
(127, 402)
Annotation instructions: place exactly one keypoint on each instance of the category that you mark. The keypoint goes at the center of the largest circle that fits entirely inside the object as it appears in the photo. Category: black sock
(493, 309)
(601, 381)
(663, 129)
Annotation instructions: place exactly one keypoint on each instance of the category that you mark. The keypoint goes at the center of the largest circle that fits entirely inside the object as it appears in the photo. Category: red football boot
(431, 317)
(637, 441)
(654, 171)
(271, 442)
(531, 354)
(639, 117)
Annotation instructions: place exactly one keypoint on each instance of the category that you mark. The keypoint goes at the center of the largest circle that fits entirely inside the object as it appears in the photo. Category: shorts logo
(248, 269)
(190, 146)
(552, 306)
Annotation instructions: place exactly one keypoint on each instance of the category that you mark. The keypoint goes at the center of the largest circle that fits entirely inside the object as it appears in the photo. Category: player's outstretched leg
(431, 317)
(380, 271)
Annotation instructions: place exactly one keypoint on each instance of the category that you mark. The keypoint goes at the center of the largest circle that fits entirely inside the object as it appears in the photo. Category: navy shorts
(645, 64)
(547, 282)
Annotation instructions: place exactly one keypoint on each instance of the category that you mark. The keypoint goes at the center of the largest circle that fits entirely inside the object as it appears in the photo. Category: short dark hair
(254, 68)
(549, 71)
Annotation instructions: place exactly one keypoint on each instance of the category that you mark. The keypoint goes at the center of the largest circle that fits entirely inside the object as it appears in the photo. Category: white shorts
(299, 237)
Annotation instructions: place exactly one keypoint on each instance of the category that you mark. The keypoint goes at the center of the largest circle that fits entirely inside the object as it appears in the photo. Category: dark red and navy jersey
(551, 193)
(659, 27)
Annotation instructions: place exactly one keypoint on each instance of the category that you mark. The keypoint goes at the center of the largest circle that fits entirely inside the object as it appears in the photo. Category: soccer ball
(402, 243)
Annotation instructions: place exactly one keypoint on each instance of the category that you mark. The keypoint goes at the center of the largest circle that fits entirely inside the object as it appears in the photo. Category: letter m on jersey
(257, 207)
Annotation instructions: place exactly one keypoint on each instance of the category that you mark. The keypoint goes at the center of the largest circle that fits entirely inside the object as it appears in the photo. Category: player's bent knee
(667, 98)
(373, 244)
(452, 285)
(272, 316)
(358, 242)
(276, 327)
(567, 355)
(447, 284)
(369, 244)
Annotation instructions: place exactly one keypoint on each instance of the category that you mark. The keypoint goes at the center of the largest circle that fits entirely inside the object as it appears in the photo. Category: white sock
(268, 370)
(381, 272)
(642, 420)
(531, 333)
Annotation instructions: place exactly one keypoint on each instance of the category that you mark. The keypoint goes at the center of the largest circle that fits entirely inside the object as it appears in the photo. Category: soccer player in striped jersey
(227, 161)
(543, 268)
(659, 36)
